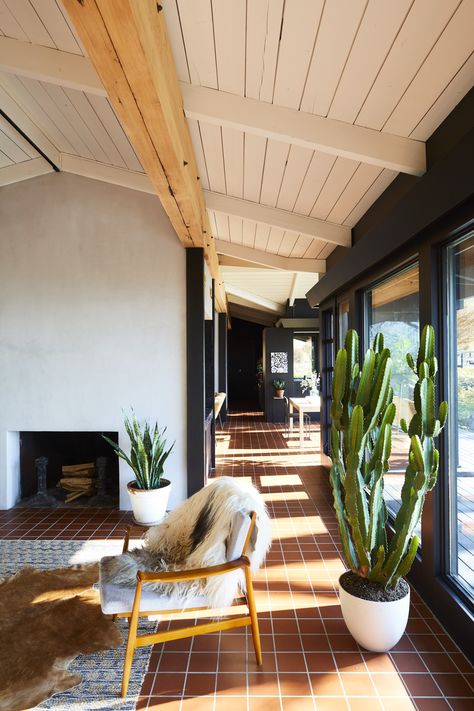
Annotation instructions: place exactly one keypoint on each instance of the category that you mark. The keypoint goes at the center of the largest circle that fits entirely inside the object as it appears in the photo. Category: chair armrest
(193, 574)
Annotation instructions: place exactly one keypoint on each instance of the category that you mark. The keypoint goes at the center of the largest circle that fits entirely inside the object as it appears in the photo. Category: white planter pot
(149, 505)
(376, 626)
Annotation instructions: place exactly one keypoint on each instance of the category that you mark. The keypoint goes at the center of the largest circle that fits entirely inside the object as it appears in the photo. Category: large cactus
(362, 414)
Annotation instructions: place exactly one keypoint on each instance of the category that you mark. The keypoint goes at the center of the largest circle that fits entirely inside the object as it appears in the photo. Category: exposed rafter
(293, 288)
(264, 318)
(23, 171)
(327, 135)
(248, 298)
(224, 109)
(50, 65)
(266, 259)
(128, 44)
(106, 173)
(275, 217)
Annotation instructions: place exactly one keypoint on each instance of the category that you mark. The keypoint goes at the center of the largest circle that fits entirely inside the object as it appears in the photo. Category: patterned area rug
(101, 673)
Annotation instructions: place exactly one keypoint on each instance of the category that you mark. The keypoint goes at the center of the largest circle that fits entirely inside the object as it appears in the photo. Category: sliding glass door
(460, 332)
(392, 307)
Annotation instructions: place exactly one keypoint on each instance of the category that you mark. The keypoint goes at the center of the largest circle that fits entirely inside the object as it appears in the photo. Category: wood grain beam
(128, 44)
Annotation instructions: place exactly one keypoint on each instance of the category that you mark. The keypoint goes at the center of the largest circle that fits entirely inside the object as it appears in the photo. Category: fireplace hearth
(65, 469)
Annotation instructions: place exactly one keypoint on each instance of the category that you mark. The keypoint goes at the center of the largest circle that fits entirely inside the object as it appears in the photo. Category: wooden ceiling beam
(267, 259)
(128, 44)
(51, 65)
(318, 133)
(276, 217)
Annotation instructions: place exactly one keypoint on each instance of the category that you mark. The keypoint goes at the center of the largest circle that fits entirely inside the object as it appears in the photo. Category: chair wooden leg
(253, 617)
(132, 636)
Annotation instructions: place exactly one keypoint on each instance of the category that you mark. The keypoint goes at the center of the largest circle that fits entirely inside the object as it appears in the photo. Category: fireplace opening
(68, 469)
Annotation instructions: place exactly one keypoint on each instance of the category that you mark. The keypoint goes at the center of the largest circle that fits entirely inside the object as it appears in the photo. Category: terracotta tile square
(408, 662)
(357, 684)
(168, 684)
(426, 643)
(203, 662)
(234, 703)
(288, 643)
(207, 643)
(326, 684)
(462, 663)
(378, 662)
(200, 684)
(461, 704)
(454, 685)
(315, 642)
(291, 662)
(343, 643)
(438, 662)
(311, 625)
(320, 662)
(232, 662)
(233, 684)
(421, 685)
(294, 685)
(389, 685)
(172, 662)
(350, 661)
(263, 685)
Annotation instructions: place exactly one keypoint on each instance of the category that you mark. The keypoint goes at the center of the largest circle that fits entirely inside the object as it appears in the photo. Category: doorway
(244, 355)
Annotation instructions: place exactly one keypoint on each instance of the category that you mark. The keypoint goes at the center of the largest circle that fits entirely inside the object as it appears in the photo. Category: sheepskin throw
(195, 535)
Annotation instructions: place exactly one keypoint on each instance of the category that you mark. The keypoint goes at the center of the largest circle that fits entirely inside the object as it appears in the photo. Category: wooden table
(303, 404)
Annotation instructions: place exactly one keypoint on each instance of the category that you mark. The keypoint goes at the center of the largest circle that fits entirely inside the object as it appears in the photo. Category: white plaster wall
(92, 317)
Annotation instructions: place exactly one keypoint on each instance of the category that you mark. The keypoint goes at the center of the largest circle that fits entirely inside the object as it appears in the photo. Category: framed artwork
(279, 362)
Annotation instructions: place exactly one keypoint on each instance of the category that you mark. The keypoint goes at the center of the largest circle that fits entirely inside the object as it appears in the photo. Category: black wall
(244, 348)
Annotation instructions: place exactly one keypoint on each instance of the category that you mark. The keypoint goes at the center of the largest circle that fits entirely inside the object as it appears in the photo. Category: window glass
(393, 308)
(342, 321)
(461, 412)
(304, 354)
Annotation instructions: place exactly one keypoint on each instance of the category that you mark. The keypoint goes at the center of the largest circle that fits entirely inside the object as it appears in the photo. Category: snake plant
(362, 415)
(148, 452)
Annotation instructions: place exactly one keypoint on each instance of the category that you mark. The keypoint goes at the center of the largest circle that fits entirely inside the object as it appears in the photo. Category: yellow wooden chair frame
(135, 640)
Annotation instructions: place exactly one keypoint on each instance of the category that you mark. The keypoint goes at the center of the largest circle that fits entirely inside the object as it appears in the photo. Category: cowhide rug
(47, 618)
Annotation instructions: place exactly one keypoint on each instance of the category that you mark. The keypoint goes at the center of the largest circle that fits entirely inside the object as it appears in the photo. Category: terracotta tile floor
(310, 660)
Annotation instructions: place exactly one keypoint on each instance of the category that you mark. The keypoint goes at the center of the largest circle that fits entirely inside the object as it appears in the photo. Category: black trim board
(28, 139)
(449, 183)
(222, 384)
(195, 370)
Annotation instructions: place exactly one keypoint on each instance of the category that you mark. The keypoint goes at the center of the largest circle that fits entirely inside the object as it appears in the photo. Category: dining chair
(133, 603)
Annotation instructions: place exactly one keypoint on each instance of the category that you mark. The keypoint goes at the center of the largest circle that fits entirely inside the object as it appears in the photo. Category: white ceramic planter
(149, 505)
(376, 626)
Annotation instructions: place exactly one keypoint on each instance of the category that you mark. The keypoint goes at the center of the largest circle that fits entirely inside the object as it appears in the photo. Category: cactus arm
(405, 565)
(346, 542)
(365, 384)
(375, 573)
(380, 390)
(355, 497)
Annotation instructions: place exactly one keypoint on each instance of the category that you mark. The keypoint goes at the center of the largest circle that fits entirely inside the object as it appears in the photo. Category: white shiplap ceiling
(395, 68)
